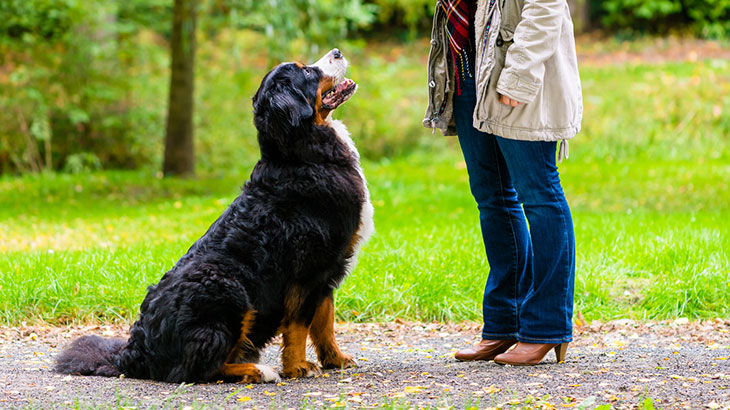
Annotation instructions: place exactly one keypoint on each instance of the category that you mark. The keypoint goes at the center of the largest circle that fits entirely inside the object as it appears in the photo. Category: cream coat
(534, 63)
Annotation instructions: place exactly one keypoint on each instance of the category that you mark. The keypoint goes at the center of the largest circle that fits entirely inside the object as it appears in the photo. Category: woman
(503, 76)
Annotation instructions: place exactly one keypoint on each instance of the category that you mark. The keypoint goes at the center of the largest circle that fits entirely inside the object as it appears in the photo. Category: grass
(648, 182)
(184, 397)
(84, 248)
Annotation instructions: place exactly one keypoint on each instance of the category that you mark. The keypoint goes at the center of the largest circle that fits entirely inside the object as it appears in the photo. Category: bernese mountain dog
(269, 264)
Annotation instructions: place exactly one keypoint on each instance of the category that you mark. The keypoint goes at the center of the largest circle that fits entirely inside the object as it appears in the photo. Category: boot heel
(560, 351)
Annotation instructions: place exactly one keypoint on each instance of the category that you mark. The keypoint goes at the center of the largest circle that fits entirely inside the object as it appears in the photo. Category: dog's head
(295, 96)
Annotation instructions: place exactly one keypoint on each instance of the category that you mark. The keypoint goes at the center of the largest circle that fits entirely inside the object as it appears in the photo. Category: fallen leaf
(491, 389)
(414, 389)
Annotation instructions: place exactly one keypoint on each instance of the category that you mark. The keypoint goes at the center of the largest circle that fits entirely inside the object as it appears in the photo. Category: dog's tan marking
(322, 332)
(248, 372)
(294, 352)
(294, 337)
(321, 113)
(293, 303)
(352, 246)
(244, 344)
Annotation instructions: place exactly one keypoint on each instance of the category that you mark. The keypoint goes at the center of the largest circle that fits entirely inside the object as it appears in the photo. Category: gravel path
(678, 365)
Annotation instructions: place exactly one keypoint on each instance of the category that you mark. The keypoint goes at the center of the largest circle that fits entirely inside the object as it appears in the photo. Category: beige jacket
(534, 63)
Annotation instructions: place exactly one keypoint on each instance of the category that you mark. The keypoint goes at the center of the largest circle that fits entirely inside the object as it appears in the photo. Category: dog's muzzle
(334, 64)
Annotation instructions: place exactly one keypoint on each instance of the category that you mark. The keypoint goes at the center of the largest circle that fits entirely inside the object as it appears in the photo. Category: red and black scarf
(459, 26)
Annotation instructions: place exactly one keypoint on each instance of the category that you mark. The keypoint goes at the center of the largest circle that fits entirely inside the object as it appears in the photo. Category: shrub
(643, 15)
(411, 14)
(65, 87)
(711, 18)
(708, 18)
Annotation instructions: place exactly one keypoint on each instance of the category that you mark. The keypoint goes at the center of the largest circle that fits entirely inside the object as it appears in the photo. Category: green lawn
(648, 181)
(652, 240)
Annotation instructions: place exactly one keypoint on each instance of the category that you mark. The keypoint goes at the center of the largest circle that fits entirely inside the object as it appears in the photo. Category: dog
(270, 263)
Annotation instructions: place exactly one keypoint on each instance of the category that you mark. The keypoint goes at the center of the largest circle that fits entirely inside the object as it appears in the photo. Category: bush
(644, 15)
(708, 18)
(47, 19)
(66, 88)
(711, 18)
(411, 14)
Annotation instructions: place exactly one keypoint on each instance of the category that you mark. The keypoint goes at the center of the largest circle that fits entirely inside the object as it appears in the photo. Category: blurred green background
(87, 219)
(83, 85)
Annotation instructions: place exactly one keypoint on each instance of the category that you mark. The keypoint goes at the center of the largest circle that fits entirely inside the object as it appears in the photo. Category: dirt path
(678, 365)
(594, 51)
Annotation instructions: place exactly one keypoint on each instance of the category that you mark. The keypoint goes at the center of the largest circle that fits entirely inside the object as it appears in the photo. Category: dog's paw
(339, 362)
(303, 369)
(268, 375)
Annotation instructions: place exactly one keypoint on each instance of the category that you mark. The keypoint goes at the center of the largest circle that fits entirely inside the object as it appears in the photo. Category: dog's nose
(336, 53)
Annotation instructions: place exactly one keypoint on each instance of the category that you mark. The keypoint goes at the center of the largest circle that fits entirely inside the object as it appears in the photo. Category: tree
(179, 144)
(580, 10)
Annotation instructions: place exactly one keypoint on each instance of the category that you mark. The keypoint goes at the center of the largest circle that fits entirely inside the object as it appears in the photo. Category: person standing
(503, 76)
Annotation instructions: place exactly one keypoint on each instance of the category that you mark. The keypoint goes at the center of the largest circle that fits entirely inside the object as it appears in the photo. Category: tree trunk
(580, 10)
(179, 145)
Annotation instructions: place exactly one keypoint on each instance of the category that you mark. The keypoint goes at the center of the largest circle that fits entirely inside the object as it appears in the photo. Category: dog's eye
(307, 70)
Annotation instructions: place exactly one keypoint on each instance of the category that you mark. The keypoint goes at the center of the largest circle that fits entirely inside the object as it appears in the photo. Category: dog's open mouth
(340, 93)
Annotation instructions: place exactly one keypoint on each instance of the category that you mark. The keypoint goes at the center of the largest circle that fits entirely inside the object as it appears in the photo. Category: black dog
(270, 263)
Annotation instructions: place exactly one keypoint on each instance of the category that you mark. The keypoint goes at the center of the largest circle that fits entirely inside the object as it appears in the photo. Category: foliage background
(83, 84)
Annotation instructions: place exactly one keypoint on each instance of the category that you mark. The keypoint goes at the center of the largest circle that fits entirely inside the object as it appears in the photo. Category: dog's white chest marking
(367, 226)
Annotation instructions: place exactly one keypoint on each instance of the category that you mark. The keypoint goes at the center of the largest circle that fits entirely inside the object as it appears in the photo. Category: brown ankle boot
(485, 350)
(527, 354)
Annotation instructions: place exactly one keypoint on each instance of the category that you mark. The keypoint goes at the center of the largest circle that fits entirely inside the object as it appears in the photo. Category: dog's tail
(91, 355)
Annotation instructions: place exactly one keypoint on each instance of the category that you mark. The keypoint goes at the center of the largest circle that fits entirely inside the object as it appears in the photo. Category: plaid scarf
(459, 18)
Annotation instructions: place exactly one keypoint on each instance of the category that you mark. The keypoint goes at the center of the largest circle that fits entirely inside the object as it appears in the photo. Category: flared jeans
(527, 230)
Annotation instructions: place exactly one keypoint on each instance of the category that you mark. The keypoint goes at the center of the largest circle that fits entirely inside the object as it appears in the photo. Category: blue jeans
(529, 290)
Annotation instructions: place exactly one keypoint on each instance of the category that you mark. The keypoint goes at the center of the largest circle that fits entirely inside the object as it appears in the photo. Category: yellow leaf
(491, 389)
(413, 389)
(269, 393)
(243, 398)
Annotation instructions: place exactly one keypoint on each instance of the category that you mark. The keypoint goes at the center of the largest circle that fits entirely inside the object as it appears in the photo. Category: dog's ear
(291, 105)
(280, 104)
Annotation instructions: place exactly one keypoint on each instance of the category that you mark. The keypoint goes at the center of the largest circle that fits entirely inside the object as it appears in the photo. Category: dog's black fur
(279, 250)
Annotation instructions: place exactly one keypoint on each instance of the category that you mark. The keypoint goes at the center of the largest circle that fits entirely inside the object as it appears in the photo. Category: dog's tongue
(341, 93)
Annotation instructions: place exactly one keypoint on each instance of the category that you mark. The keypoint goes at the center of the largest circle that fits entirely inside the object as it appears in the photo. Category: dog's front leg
(294, 354)
(322, 332)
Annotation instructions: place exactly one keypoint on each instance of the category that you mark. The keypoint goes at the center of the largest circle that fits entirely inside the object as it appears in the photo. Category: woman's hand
(508, 101)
